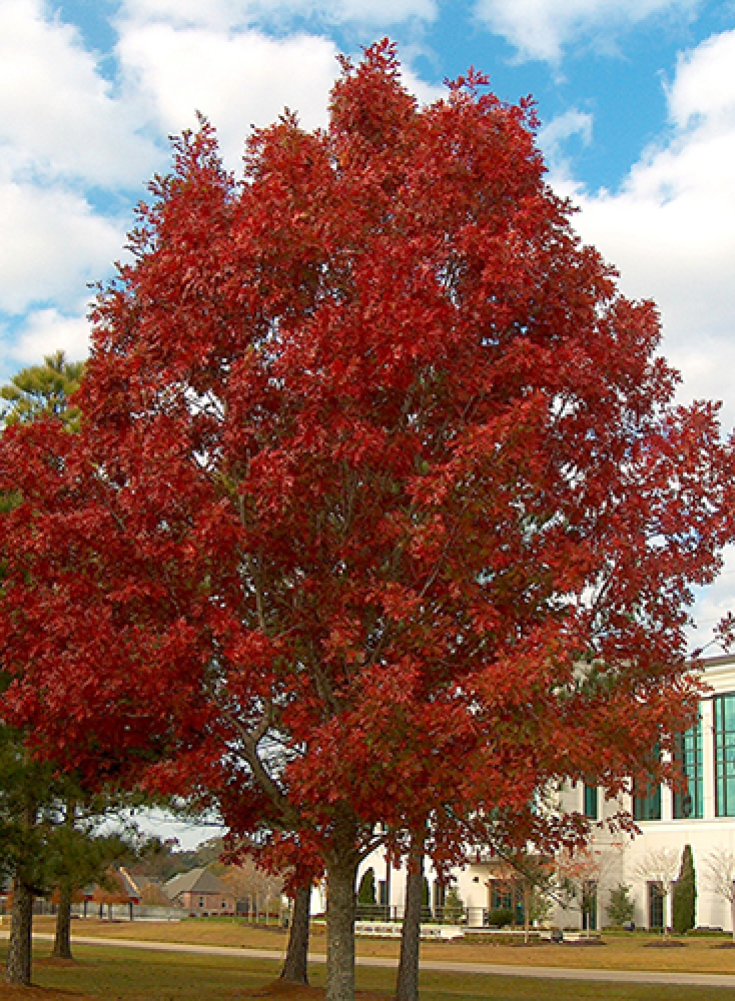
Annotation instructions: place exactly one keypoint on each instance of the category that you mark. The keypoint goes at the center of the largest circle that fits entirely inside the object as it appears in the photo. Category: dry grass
(103, 971)
(623, 952)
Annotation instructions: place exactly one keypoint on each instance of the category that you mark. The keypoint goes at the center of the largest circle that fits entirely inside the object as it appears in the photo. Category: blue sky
(636, 100)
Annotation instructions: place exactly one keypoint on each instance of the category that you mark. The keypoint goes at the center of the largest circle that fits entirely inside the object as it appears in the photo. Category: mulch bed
(14, 992)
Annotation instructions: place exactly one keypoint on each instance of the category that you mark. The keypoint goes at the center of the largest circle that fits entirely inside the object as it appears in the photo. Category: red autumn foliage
(381, 506)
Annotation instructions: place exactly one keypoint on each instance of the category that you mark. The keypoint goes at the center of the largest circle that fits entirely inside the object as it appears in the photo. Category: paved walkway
(541, 972)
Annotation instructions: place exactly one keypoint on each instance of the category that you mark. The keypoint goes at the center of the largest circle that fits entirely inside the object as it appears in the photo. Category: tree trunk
(341, 877)
(295, 968)
(18, 970)
(407, 982)
(62, 939)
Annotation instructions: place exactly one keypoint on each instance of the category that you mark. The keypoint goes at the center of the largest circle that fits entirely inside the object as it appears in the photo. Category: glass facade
(724, 719)
(689, 802)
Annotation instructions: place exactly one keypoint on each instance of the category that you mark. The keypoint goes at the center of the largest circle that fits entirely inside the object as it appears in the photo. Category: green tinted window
(689, 801)
(590, 801)
(724, 713)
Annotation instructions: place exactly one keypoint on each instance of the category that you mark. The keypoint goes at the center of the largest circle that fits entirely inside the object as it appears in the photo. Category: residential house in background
(200, 893)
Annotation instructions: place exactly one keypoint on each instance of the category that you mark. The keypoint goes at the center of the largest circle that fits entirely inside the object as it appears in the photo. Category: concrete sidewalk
(539, 972)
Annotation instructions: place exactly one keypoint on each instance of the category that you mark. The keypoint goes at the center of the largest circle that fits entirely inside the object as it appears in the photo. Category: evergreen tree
(49, 838)
(366, 891)
(42, 391)
(38, 808)
(685, 894)
(620, 908)
(453, 906)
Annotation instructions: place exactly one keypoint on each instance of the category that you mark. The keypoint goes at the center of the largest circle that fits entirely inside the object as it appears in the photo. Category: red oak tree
(381, 509)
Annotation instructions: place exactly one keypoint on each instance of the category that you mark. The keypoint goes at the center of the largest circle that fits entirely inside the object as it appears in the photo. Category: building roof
(196, 881)
(119, 887)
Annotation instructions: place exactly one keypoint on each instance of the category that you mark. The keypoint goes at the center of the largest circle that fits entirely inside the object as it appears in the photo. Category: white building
(702, 816)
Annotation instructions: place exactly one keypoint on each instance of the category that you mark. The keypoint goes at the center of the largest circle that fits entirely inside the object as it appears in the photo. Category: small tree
(620, 908)
(580, 875)
(366, 891)
(660, 867)
(684, 902)
(720, 878)
(453, 906)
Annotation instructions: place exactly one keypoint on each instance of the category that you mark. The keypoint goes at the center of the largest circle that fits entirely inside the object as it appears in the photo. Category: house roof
(121, 888)
(196, 881)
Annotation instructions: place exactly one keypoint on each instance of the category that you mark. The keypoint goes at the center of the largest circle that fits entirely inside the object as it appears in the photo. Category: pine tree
(685, 894)
(44, 838)
(43, 391)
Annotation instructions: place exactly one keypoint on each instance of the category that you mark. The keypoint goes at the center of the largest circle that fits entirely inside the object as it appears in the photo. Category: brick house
(200, 892)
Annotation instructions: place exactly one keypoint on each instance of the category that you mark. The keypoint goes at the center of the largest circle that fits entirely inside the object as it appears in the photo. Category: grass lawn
(127, 975)
(621, 951)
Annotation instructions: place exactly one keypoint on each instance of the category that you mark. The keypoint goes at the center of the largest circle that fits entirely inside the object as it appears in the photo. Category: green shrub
(499, 917)
(366, 891)
(684, 904)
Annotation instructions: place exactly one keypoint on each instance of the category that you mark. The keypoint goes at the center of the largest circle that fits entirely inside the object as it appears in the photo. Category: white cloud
(235, 80)
(553, 135)
(179, 58)
(670, 228)
(541, 29)
(57, 113)
(224, 15)
(53, 244)
(703, 85)
(45, 331)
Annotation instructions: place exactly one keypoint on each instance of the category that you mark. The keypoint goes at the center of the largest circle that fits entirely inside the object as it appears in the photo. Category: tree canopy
(381, 507)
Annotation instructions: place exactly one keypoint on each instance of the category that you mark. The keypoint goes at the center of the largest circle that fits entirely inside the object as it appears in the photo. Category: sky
(636, 100)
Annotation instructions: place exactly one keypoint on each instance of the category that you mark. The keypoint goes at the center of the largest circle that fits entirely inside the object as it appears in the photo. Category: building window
(655, 905)
(501, 894)
(440, 897)
(589, 905)
(590, 802)
(724, 713)
(689, 802)
(508, 895)
(647, 805)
